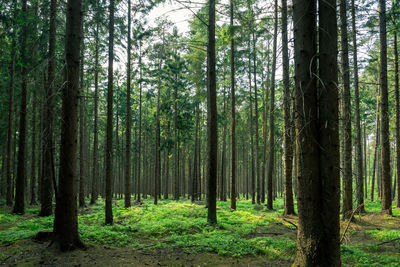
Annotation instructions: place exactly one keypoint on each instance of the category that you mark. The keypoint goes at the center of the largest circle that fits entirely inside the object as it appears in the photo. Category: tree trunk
(359, 157)
(138, 182)
(347, 150)
(396, 87)
(109, 137)
(287, 138)
(271, 113)
(385, 156)
(317, 134)
(252, 170)
(66, 234)
(33, 151)
(212, 127)
(128, 115)
(95, 174)
(10, 125)
(82, 158)
(233, 111)
(19, 205)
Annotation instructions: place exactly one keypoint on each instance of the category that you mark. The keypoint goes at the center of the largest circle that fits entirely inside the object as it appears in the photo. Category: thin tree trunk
(396, 87)
(233, 111)
(287, 138)
(109, 137)
(385, 156)
(347, 150)
(140, 125)
(33, 149)
(82, 157)
(19, 205)
(10, 124)
(128, 115)
(271, 113)
(95, 174)
(212, 127)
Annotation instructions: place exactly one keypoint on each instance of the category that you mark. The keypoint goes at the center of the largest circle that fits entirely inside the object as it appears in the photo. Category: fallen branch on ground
(349, 221)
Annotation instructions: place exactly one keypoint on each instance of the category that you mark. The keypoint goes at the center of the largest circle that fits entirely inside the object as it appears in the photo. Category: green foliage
(183, 225)
(384, 234)
(355, 256)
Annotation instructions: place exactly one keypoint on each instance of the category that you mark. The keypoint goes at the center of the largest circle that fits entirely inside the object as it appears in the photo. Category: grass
(183, 225)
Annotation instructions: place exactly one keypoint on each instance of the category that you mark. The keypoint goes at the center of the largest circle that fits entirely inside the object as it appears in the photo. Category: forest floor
(177, 234)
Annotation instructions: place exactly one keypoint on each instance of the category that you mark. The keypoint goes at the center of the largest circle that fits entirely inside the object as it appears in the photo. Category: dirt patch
(30, 253)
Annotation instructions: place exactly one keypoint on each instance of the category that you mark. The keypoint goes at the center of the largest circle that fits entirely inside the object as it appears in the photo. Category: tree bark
(66, 234)
(128, 115)
(271, 114)
(385, 156)
(396, 87)
(317, 134)
(95, 171)
(287, 138)
(233, 111)
(19, 205)
(212, 127)
(10, 124)
(109, 137)
(347, 150)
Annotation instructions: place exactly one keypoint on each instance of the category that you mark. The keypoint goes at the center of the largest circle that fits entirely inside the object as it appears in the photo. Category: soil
(31, 253)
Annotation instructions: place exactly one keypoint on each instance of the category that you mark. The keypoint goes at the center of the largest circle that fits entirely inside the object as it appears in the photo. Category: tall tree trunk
(33, 151)
(271, 113)
(66, 234)
(128, 115)
(385, 156)
(48, 175)
(233, 111)
(10, 124)
(256, 114)
(19, 205)
(95, 172)
(347, 150)
(222, 192)
(287, 138)
(252, 170)
(109, 137)
(212, 127)
(359, 157)
(157, 176)
(317, 134)
(377, 141)
(138, 182)
(82, 158)
(396, 87)
(176, 144)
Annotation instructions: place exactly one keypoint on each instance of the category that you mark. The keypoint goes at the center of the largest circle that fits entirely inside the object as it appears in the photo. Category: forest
(199, 133)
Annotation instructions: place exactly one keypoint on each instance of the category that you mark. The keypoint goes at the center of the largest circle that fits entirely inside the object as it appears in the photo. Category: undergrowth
(183, 225)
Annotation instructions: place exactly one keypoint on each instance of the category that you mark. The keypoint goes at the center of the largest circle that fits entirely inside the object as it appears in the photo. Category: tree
(128, 115)
(287, 138)
(346, 117)
(385, 153)
(19, 205)
(10, 116)
(316, 121)
(46, 190)
(233, 111)
(212, 129)
(359, 157)
(271, 113)
(66, 234)
(109, 138)
(396, 78)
